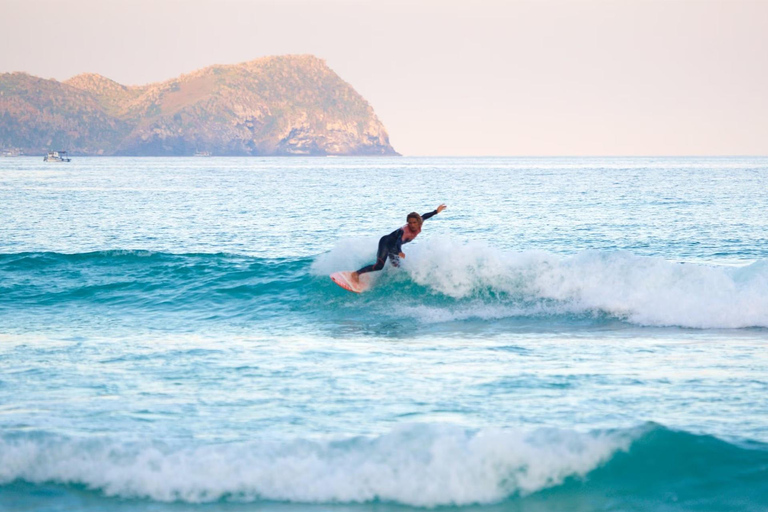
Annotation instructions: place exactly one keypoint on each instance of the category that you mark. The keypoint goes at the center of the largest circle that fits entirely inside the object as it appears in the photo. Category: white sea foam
(347, 254)
(643, 290)
(418, 464)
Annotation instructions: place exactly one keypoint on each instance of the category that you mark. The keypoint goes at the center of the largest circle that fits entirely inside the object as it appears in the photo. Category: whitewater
(570, 334)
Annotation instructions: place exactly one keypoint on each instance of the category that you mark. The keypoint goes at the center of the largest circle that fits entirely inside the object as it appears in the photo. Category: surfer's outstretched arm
(433, 212)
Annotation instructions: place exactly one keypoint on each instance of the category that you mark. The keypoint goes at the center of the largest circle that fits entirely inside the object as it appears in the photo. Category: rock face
(288, 105)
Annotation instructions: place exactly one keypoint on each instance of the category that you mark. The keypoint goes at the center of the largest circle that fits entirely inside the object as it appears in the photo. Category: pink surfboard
(344, 280)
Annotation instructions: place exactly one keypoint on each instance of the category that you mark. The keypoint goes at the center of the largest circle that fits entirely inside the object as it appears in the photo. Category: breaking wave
(422, 465)
(440, 281)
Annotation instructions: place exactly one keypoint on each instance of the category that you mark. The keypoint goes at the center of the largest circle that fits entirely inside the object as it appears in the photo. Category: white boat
(202, 153)
(11, 152)
(56, 156)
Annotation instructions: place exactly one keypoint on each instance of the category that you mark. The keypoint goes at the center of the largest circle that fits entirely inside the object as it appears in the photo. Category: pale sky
(447, 77)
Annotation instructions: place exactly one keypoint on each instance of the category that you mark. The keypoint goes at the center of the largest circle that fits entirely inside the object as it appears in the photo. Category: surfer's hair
(414, 215)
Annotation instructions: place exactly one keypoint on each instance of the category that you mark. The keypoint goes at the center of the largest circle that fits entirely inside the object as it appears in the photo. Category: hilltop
(285, 105)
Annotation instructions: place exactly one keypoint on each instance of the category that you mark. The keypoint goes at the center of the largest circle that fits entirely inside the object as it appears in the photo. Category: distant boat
(56, 156)
(12, 152)
(202, 153)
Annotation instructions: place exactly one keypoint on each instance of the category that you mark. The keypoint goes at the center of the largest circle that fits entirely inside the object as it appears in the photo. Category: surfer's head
(414, 221)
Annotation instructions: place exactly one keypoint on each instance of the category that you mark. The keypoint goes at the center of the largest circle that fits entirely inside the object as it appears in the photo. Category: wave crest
(643, 290)
(419, 465)
(424, 465)
(440, 281)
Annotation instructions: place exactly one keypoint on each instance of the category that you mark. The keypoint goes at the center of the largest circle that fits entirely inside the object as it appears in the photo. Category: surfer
(390, 245)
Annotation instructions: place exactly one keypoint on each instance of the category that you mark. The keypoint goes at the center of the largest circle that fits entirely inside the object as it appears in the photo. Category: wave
(420, 465)
(487, 283)
(441, 281)
(147, 283)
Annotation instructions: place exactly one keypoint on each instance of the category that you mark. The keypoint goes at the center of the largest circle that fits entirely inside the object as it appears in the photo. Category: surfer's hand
(402, 255)
(441, 208)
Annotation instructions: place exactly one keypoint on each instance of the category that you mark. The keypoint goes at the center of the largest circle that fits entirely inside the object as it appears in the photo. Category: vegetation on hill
(288, 105)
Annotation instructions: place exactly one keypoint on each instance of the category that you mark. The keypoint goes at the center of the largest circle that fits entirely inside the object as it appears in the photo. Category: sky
(447, 77)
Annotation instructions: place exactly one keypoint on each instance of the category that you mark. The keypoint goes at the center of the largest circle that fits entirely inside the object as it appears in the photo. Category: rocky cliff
(288, 105)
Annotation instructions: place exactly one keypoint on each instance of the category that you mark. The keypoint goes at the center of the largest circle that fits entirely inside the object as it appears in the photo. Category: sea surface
(570, 334)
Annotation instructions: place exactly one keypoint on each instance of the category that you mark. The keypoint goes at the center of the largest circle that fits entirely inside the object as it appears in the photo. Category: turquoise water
(570, 334)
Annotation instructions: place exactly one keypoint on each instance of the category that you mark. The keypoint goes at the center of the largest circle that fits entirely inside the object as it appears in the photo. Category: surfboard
(344, 280)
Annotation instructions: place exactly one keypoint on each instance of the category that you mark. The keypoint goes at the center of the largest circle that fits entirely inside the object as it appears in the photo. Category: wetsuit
(390, 245)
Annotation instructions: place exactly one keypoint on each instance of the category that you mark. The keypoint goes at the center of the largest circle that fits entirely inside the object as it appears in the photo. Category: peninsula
(283, 105)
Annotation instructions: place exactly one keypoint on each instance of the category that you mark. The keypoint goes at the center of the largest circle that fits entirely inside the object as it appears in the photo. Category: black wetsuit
(389, 246)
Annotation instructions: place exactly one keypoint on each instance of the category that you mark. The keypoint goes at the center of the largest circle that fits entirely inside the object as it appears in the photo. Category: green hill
(288, 105)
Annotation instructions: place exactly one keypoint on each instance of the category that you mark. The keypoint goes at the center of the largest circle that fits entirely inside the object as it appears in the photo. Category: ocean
(570, 334)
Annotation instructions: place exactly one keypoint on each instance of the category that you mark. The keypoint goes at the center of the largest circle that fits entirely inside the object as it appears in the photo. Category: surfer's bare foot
(355, 277)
